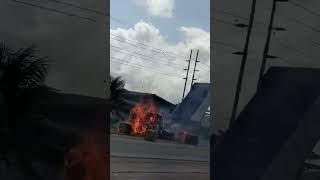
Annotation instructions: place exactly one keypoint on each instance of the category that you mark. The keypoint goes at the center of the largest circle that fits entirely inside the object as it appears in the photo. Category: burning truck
(144, 120)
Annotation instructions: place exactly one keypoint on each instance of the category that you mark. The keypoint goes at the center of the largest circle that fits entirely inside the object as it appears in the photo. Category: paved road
(133, 158)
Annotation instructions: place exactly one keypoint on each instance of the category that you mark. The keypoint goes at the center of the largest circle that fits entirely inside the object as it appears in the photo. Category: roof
(266, 124)
(137, 96)
(199, 92)
(71, 108)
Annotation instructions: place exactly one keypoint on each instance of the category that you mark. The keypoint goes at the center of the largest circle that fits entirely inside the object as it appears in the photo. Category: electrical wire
(121, 61)
(149, 58)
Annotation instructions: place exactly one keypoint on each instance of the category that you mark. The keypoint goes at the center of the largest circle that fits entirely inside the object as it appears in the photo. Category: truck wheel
(125, 128)
(191, 139)
(150, 135)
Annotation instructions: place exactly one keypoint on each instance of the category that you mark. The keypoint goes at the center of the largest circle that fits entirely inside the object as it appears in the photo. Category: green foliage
(21, 70)
(22, 80)
(118, 103)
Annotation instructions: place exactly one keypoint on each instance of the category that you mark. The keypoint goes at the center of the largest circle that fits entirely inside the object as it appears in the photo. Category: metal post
(194, 69)
(243, 64)
(266, 47)
(186, 78)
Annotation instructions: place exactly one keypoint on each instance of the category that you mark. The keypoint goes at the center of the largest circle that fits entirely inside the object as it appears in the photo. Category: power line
(308, 26)
(61, 12)
(85, 18)
(148, 57)
(225, 45)
(316, 43)
(65, 12)
(234, 15)
(304, 24)
(119, 21)
(292, 49)
(71, 14)
(304, 8)
(148, 49)
(79, 7)
(54, 10)
(141, 67)
(222, 21)
(204, 66)
(300, 22)
(120, 61)
(161, 51)
(89, 10)
(94, 11)
(143, 55)
(164, 52)
(135, 43)
(290, 19)
(230, 14)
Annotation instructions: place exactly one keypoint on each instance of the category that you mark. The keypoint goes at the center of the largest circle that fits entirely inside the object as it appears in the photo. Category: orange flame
(142, 115)
(87, 161)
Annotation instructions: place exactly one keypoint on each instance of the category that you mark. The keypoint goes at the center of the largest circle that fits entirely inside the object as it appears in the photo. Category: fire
(141, 116)
(87, 161)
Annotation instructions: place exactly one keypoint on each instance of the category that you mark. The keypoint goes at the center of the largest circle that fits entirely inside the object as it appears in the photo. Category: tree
(118, 102)
(22, 77)
(22, 80)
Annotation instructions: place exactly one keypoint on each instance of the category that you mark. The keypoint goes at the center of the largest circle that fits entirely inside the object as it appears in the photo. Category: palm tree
(22, 77)
(22, 74)
(117, 100)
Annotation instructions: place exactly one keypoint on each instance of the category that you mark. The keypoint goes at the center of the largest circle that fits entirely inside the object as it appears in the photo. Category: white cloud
(162, 72)
(162, 8)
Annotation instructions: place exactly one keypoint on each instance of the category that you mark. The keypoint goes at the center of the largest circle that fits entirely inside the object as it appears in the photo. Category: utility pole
(194, 69)
(186, 78)
(243, 63)
(267, 44)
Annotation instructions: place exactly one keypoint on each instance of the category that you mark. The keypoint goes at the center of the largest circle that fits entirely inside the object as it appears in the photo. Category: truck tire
(150, 135)
(191, 139)
(125, 128)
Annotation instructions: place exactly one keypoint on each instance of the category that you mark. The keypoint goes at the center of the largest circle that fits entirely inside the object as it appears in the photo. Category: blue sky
(175, 27)
(190, 13)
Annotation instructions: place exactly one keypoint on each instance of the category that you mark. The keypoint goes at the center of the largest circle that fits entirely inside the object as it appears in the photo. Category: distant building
(205, 120)
(194, 106)
(72, 109)
(194, 110)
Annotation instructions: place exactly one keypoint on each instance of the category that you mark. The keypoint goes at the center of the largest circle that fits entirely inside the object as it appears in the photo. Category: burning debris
(87, 161)
(143, 117)
(146, 121)
(186, 138)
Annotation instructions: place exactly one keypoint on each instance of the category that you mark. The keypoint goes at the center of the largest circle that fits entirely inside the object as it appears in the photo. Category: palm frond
(22, 70)
(4, 52)
(117, 92)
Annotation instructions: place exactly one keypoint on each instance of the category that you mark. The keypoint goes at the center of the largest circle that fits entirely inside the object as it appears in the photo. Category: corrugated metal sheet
(191, 103)
(267, 127)
(201, 110)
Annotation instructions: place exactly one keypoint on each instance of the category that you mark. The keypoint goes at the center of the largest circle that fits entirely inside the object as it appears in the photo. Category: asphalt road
(133, 158)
